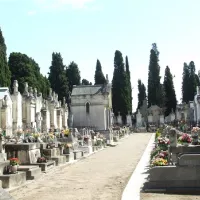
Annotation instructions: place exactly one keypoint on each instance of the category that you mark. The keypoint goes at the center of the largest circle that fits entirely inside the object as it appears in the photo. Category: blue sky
(84, 30)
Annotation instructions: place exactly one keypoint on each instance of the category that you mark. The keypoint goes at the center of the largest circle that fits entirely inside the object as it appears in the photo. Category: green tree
(120, 98)
(5, 75)
(128, 74)
(170, 96)
(73, 75)
(141, 94)
(86, 82)
(154, 87)
(189, 83)
(99, 77)
(25, 69)
(185, 86)
(57, 76)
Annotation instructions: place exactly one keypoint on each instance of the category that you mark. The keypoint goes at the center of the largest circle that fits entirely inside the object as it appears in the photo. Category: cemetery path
(101, 176)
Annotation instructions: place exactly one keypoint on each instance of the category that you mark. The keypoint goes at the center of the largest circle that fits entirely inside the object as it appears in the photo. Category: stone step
(13, 180)
(78, 154)
(3, 165)
(46, 166)
(59, 159)
(69, 157)
(32, 171)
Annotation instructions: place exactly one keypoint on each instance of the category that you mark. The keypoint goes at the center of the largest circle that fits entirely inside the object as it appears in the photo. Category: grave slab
(4, 195)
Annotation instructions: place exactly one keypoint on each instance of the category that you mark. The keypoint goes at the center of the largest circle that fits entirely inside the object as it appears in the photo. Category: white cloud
(60, 4)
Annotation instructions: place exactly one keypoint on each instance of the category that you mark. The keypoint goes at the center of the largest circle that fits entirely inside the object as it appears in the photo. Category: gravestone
(189, 160)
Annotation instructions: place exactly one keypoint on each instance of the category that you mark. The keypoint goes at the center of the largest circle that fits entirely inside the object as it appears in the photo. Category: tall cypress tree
(120, 98)
(128, 74)
(185, 85)
(170, 96)
(192, 81)
(141, 93)
(57, 76)
(189, 83)
(154, 87)
(5, 75)
(73, 75)
(99, 77)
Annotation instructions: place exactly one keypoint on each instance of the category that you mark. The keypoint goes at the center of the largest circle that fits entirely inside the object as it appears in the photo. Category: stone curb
(132, 189)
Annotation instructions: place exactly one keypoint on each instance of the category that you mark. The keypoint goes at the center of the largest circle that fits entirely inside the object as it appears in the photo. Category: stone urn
(13, 169)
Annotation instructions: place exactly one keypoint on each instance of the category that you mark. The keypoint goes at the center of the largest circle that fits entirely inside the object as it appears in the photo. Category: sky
(86, 30)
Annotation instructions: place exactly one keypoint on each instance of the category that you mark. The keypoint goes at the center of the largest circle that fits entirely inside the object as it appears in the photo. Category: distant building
(91, 106)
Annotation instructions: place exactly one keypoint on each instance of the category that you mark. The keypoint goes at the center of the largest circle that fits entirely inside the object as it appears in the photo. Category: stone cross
(173, 137)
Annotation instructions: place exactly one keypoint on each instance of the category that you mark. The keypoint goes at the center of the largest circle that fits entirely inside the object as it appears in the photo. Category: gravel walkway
(102, 176)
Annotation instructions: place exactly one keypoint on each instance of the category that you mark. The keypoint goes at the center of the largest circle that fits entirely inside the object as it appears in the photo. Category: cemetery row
(21, 160)
(174, 161)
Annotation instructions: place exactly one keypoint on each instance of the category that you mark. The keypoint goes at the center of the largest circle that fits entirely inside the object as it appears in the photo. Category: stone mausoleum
(91, 106)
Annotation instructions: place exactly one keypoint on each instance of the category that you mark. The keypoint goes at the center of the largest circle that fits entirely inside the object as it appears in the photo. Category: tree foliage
(128, 74)
(120, 92)
(5, 74)
(99, 77)
(170, 96)
(189, 82)
(86, 82)
(57, 76)
(25, 69)
(154, 87)
(73, 75)
(141, 94)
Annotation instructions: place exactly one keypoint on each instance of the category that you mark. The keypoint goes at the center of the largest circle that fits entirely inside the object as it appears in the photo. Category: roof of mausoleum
(89, 89)
(4, 91)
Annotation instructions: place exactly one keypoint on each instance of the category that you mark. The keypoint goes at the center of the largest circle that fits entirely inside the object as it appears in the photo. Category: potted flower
(14, 163)
(67, 148)
(185, 139)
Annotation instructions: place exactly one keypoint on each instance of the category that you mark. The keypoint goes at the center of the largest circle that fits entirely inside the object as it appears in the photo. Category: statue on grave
(26, 89)
(35, 92)
(15, 86)
(38, 119)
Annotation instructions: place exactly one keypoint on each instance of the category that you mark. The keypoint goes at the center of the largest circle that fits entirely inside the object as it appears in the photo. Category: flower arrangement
(36, 135)
(163, 143)
(195, 130)
(41, 160)
(162, 154)
(159, 162)
(66, 132)
(14, 161)
(68, 145)
(185, 138)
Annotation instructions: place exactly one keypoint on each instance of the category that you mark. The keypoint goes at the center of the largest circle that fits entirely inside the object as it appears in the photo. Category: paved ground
(151, 196)
(102, 176)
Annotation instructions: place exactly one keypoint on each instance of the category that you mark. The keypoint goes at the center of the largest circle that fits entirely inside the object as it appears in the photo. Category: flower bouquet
(41, 160)
(185, 139)
(159, 162)
(163, 143)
